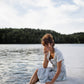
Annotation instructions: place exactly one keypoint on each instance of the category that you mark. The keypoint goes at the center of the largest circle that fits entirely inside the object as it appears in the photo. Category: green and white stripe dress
(47, 74)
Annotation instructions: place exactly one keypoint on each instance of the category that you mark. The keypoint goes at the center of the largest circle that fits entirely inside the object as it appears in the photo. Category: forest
(33, 36)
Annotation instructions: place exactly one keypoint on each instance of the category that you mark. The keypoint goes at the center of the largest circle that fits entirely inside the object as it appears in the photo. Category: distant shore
(33, 36)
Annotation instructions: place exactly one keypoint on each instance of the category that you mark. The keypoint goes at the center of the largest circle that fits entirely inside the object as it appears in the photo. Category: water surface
(19, 61)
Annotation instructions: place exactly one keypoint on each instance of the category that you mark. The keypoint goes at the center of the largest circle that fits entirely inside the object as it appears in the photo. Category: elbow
(58, 71)
(44, 66)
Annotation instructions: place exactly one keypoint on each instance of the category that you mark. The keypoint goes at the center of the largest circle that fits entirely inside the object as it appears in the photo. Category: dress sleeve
(59, 55)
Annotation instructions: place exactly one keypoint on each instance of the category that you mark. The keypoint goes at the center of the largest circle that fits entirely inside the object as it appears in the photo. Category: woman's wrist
(53, 80)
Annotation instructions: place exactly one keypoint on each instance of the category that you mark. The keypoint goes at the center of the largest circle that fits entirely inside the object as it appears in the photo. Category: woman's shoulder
(58, 54)
(57, 50)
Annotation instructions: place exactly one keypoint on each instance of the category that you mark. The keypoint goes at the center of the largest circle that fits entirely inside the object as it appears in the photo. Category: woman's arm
(45, 62)
(57, 73)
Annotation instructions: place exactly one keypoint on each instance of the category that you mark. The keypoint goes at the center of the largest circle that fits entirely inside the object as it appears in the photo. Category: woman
(57, 72)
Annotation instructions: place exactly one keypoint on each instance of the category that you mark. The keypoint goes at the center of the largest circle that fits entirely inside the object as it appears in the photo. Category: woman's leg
(34, 78)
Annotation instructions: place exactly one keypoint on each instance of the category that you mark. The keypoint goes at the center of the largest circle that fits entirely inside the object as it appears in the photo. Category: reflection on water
(18, 62)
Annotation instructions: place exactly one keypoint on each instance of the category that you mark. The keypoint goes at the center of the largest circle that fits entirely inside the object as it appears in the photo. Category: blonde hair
(47, 38)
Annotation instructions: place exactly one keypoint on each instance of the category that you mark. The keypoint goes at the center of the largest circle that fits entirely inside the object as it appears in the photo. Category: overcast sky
(63, 16)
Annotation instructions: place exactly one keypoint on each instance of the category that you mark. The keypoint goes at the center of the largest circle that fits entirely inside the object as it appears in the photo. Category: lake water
(19, 61)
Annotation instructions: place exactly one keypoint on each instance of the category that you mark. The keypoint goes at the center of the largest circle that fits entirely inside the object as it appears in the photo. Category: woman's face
(48, 47)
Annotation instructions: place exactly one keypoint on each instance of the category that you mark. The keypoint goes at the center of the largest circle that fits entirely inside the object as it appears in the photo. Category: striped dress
(47, 74)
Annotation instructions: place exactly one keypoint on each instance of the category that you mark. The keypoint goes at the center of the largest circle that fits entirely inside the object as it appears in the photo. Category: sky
(63, 16)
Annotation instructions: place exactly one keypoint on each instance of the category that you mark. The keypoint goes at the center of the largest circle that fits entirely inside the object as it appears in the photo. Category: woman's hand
(49, 83)
(46, 50)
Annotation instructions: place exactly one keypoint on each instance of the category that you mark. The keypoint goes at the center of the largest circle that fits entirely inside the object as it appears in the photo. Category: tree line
(33, 36)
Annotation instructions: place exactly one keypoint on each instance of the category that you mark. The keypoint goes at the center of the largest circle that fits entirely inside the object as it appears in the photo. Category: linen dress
(47, 74)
